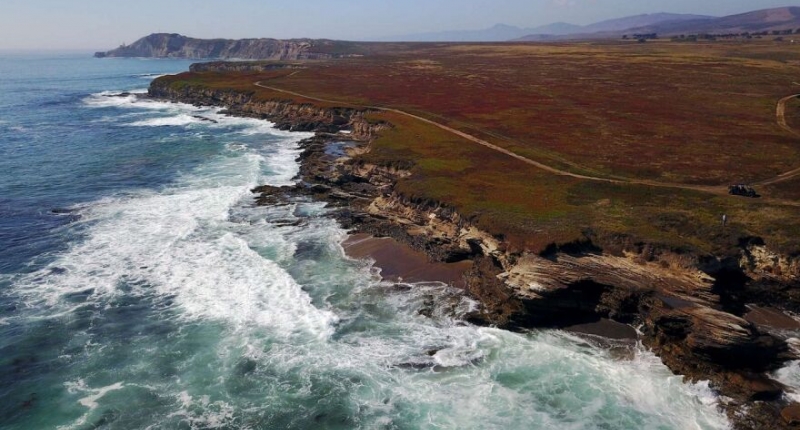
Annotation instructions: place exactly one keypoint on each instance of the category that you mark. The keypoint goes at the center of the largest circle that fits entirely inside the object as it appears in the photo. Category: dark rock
(671, 328)
(269, 195)
(319, 189)
(202, 118)
(289, 223)
(756, 387)
(499, 306)
(791, 414)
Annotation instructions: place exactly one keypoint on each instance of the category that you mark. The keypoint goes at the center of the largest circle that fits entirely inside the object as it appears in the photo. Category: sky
(105, 24)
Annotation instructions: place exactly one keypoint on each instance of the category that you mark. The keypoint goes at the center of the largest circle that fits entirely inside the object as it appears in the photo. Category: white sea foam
(180, 242)
(651, 389)
(176, 121)
(466, 377)
(236, 147)
(789, 376)
(479, 377)
(551, 375)
(107, 99)
(243, 126)
(181, 114)
(202, 413)
(281, 165)
(90, 401)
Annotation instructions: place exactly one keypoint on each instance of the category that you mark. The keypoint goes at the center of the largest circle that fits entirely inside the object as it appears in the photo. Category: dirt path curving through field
(718, 190)
(780, 114)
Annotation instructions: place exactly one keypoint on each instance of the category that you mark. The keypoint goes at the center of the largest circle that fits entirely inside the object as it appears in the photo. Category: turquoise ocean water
(141, 289)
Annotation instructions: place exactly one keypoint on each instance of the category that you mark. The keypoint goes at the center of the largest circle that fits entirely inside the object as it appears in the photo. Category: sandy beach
(400, 263)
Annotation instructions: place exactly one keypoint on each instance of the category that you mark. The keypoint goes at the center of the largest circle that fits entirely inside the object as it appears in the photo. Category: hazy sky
(104, 24)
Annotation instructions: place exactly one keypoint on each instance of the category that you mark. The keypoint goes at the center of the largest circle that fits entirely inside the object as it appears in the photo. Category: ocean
(141, 288)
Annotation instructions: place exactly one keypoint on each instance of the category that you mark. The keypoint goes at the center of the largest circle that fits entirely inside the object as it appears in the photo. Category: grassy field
(695, 114)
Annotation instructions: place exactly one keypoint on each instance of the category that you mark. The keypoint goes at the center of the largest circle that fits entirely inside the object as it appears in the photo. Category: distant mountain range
(778, 19)
(502, 32)
(666, 24)
(165, 45)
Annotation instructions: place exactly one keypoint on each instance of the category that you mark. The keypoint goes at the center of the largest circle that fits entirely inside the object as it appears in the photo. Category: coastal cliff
(164, 45)
(286, 115)
(702, 314)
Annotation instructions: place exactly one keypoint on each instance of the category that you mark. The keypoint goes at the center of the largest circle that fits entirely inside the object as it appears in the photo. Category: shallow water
(140, 288)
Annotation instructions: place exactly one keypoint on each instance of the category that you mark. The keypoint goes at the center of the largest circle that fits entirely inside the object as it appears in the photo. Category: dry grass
(697, 114)
(664, 112)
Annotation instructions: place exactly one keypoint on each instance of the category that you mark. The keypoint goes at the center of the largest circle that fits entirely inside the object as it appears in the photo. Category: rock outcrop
(690, 309)
(164, 45)
(286, 115)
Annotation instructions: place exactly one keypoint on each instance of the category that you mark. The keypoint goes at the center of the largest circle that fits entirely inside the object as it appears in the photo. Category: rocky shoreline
(694, 311)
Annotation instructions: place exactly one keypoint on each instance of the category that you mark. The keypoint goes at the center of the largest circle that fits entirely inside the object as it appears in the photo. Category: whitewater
(141, 287)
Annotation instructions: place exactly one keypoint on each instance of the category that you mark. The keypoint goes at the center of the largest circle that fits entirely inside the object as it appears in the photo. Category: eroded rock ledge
(690, 309)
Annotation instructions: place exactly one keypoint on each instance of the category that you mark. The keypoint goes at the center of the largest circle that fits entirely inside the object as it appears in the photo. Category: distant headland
(172, 45)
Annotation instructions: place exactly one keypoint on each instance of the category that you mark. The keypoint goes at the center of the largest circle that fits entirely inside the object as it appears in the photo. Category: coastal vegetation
(663, 127)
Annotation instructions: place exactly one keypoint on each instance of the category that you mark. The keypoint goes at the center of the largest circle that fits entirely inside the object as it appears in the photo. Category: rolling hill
(766, 20)
(502, 32)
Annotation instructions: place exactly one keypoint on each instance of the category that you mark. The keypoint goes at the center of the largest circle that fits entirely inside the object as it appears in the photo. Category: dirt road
(718, 190)
(780, 113)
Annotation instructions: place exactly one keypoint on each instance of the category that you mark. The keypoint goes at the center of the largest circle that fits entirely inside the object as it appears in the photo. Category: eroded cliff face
(762, 263)
(690, 309)
(164, 45)
(285, 114)
(686, 315)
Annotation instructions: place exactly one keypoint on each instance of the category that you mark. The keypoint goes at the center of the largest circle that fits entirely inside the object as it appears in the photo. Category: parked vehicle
(742, 190)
